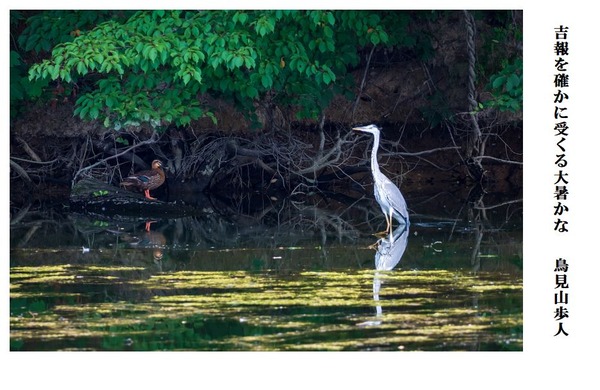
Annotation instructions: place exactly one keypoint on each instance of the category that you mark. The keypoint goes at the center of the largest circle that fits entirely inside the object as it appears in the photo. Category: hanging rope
(470, 22)
(473, 165)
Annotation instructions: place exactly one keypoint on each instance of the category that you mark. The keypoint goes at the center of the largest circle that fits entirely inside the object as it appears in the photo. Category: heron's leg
(390, 222)
(388, 225)
(375, 245)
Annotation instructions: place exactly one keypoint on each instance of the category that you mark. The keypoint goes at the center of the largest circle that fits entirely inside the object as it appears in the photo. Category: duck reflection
(388, 255)
(153, 240)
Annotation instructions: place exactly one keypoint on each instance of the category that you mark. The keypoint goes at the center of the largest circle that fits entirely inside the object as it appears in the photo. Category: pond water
(285, 277)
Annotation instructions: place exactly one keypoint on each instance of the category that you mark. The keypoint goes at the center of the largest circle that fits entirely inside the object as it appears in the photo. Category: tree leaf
(266, 81)
(498, 82)
(81, 68)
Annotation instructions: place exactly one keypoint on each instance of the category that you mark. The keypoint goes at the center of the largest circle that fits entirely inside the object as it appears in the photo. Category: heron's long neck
(374, 164)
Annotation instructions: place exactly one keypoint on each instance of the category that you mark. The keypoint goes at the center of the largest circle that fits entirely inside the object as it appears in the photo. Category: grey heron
(387, 194)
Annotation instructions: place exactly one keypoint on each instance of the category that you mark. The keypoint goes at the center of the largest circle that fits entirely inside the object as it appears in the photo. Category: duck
(146, 180)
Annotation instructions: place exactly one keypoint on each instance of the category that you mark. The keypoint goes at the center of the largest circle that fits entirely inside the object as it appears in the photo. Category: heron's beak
(358, 128)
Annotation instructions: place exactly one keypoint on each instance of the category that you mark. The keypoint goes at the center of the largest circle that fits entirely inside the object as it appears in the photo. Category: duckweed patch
(123, 308)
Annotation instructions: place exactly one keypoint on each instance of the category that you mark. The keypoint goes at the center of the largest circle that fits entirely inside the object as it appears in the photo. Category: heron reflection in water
(388, 255)
(387, 194)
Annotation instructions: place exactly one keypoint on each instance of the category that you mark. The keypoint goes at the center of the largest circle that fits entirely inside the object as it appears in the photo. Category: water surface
(292, 278)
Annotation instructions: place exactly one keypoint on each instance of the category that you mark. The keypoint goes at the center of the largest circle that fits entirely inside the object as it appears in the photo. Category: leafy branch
(154, 67)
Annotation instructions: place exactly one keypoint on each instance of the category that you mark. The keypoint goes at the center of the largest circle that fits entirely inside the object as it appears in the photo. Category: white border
(546, 361)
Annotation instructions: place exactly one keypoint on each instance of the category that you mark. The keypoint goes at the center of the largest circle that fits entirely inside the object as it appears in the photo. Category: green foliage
(46, 29)
(154, 67)
(157, 67)
(506, 87)
(20, 86)
(501, 57)
(437, 110)
(41, 32)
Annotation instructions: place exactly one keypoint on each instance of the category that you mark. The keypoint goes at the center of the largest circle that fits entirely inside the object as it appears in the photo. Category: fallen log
(90, 195)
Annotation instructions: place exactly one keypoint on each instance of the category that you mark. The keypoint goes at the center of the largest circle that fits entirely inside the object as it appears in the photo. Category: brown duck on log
(146, 180)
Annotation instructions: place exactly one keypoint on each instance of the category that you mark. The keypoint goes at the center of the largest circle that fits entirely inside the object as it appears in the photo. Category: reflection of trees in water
(491, 222)
(286, 226)
(33, 225)
(119, 240)
(490, 237)
(282, 224)
(274, 225)
(481, 226)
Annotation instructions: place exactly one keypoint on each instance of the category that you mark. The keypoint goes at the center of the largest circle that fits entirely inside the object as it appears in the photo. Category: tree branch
(28, 149)
(498, 159)
(151, 140)
(429, 151)
(20, 170)
(362, 84)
